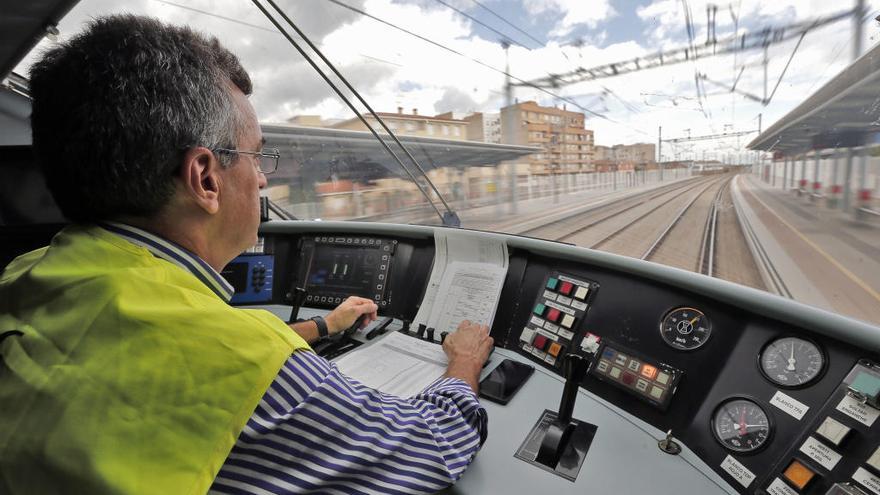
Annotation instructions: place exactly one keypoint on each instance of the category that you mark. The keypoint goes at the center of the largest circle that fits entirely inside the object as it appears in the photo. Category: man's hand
(348, 312)
(467, 349)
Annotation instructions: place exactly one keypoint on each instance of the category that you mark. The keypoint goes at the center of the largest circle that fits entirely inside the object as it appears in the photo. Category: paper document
(465, 282)
(468, 291)
(398, 364)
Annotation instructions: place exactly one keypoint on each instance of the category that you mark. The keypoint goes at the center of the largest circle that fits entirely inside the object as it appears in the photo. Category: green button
(552, 283)
(539, 309)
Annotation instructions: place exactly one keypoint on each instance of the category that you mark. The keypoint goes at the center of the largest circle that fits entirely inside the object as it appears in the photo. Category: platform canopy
(316, 146)
(843, 113)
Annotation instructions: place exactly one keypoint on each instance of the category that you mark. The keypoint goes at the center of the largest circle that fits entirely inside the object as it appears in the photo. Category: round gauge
(792, 361)
(685, 329)
(741, 425)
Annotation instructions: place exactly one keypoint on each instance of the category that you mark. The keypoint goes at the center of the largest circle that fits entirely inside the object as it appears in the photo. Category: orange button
(649, 371)
(798, 474)
(555, 349)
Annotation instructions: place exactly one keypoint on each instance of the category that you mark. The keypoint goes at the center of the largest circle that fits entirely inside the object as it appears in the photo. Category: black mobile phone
(504, 381)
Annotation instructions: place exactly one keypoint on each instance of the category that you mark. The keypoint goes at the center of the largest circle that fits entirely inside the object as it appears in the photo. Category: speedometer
(685, 329)
(741, 425)
(792, 361)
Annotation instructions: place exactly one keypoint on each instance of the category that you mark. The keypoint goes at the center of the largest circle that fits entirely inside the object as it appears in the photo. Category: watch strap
(323, 331)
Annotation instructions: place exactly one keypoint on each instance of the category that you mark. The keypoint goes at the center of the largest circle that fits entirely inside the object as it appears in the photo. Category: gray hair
(117, 106)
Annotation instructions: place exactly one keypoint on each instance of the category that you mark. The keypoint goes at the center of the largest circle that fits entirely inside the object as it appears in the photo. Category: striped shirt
(318, 431)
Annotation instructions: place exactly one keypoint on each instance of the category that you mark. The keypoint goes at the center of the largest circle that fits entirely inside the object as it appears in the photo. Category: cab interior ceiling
(27, 213)
(23, 25)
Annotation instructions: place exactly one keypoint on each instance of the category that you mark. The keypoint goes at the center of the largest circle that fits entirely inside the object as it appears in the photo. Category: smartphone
(505, 380)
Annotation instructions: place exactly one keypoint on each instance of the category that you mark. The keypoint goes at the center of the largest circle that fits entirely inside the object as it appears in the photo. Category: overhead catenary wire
(539, 42)
(349, 103)
(481, 23)
(747, 41)
(251, 25)
(479, 62)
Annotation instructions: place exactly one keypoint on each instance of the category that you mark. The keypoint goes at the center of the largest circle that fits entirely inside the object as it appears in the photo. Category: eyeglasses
(267, 162)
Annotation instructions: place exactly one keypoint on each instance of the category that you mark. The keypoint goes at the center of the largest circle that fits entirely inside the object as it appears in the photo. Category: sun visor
(24, 24)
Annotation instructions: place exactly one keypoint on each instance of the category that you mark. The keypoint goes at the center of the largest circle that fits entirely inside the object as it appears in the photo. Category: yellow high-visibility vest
(131, 375)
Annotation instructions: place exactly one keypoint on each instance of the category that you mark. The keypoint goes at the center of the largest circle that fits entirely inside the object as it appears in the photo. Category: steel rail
(598, 209)
(674, 222)
(617, 213)
(638, 219)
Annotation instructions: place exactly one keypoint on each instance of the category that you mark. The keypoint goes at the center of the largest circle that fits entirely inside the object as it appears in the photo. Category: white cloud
(433, 80)
(574, 12)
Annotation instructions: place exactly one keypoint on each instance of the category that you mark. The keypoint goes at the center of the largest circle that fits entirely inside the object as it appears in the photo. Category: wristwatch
(323, 331)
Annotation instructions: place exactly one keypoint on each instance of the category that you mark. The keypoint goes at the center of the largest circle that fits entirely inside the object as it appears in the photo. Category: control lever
(348, 332)
(430, 334)
(380, 328)
(297, 299)
(574, 368)
(443, 336)
(422, 329)
(335, 344)
(405, 327)
(560, 435)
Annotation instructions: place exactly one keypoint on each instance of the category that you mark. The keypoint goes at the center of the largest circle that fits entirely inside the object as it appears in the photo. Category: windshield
(730, 139)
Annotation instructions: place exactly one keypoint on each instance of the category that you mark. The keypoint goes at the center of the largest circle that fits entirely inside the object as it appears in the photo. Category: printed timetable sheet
(465, 282)
(398, 364)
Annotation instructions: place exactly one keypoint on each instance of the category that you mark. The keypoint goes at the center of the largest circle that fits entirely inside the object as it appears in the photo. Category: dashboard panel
(767, 404)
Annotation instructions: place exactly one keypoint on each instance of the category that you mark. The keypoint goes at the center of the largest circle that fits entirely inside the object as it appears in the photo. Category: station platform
(823, 257)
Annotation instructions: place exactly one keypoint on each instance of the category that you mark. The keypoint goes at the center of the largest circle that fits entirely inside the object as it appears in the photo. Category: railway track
(690, 225)
(570, 227)
(645, 236)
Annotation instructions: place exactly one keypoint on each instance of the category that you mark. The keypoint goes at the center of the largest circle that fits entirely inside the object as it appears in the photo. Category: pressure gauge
(792, 361)
(685, 329)
(741, 425)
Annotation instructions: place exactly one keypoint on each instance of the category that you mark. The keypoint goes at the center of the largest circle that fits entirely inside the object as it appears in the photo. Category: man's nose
(263, 181)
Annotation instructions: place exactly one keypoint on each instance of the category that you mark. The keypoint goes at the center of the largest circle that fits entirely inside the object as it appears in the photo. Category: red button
(553, 315)
(540, 342)
(628, 378)
(566, 288)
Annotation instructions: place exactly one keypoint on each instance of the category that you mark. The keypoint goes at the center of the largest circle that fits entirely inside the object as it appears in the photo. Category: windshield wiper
(449, 217)
(278, 210)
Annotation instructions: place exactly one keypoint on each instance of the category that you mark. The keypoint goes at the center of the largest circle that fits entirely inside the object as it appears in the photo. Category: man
(123, 368)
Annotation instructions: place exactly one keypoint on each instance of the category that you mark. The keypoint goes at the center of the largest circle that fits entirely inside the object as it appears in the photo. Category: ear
(200, 176)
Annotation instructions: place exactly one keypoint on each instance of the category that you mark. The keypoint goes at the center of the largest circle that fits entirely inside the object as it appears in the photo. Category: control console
(559, 309)
(840, 451)
(251, 276)
(335, 267)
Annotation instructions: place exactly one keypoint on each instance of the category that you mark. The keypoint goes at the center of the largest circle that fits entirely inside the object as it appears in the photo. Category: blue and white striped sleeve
(318, 431)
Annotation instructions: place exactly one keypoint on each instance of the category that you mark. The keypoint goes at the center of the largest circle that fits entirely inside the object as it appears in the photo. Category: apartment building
(567, 144)
(638, 153)
(485, 127)
(442, 126)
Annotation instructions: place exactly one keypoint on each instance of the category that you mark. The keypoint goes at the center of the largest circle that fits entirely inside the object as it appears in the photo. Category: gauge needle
(791, 360)
(694, 320)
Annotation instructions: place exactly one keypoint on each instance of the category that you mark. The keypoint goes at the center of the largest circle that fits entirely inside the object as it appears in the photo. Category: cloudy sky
(392, 68)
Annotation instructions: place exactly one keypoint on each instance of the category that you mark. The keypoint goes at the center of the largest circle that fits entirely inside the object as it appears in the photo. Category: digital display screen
(339, 267)
(349, 270)
(236, 274)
